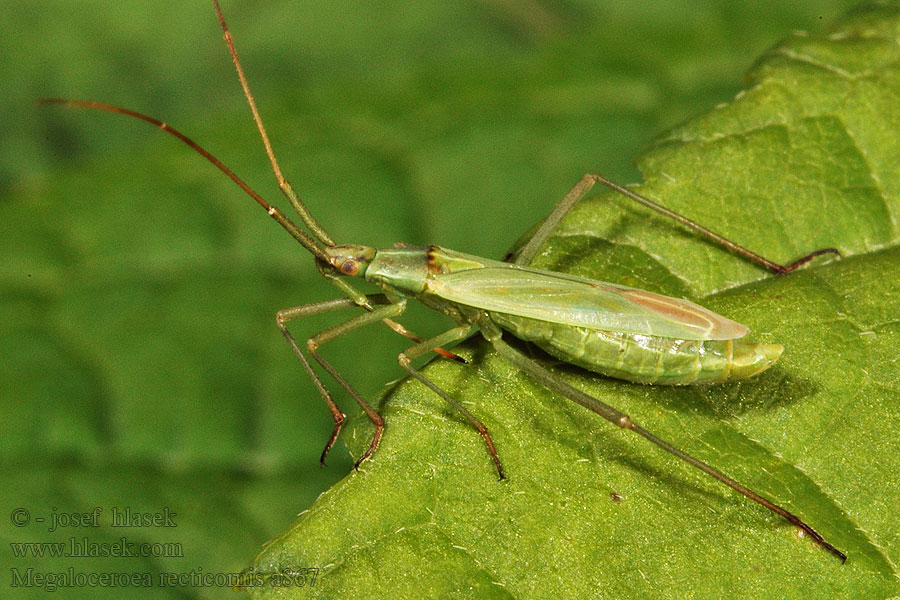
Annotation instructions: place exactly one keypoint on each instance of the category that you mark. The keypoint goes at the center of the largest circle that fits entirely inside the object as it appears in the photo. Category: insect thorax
(402, 269)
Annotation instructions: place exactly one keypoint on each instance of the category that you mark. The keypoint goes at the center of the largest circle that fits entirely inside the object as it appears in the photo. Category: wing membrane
(581, 302)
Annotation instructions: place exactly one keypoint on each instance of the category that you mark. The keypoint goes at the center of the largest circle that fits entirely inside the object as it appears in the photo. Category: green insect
(610, 329)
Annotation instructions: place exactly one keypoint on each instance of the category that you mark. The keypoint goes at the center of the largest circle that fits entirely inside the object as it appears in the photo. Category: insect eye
(349, 267)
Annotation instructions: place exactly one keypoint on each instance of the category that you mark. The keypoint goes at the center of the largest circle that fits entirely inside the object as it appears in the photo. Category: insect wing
(581, 302)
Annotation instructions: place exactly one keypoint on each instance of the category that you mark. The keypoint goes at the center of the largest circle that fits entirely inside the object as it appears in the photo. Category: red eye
(349, 267)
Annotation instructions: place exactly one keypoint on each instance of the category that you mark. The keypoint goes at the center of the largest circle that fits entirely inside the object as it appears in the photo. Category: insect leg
(362, 300)
(430, 345)
(529, 251)
(289, 314)
(616, 417)
(399, 328)
(312, 346)
(526, 255)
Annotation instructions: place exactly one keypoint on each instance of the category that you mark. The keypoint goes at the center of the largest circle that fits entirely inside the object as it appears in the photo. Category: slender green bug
(613, 330)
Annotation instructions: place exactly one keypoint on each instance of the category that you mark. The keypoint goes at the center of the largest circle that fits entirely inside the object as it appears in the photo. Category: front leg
(289, 314)
(361, 299)
(313, 344)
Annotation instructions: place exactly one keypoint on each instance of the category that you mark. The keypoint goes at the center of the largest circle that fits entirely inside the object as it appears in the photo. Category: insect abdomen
(644, 358)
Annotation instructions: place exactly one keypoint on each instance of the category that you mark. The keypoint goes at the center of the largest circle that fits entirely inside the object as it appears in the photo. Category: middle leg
(405, 359)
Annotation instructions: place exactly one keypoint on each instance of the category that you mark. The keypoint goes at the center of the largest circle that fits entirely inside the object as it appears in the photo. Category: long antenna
(291, 227)
(317, 230)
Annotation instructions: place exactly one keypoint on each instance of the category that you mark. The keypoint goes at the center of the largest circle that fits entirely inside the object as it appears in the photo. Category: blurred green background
(141, 364)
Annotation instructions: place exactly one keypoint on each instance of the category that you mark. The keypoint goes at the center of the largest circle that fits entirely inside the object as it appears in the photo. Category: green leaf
(141, 366)
(806, 157)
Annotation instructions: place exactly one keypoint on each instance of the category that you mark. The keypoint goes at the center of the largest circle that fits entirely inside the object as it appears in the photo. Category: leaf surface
(801, 160)
(141, 366)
